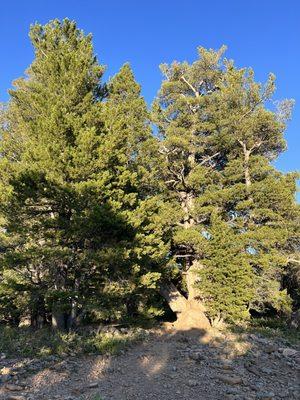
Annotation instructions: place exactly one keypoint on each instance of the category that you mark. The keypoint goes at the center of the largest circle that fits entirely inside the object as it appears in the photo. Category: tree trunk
(38, 312)
(247, 172)
(72, 317)
(189, 312)
(176, 301)
(58, 320)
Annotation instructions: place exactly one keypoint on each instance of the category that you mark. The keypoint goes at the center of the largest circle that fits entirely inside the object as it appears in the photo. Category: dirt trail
(167, 365)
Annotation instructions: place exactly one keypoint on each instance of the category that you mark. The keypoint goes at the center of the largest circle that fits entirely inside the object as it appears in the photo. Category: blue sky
(262, 34)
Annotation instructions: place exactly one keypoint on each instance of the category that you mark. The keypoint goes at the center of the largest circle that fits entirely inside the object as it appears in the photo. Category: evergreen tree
(49, 154)
(76, 157)
(98, 215)
(184, 115)
(126, 152)
(256, 200)
(218, 140)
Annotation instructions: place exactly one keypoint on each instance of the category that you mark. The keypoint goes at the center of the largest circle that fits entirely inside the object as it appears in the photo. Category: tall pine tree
(217, 141)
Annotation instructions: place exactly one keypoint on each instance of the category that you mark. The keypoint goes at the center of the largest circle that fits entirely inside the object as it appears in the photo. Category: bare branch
(294, 260)
(190, 85)
(209, 158)
(184, 255)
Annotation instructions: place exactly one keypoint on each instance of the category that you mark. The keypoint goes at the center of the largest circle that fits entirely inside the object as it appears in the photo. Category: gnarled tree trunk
(189, 311)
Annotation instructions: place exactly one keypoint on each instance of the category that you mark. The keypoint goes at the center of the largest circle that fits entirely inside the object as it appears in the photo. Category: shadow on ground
(169, 364)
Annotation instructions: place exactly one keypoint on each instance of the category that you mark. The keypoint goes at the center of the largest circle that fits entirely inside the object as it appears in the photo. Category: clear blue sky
(263, 34)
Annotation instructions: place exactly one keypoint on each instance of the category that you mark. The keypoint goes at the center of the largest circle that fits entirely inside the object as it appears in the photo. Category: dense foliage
(101, 214)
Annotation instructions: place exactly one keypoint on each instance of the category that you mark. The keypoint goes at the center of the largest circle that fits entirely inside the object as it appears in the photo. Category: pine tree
(76, 157)
(257, 200)
(50, 154)
(127, 150)
(98, 214)
(184, 115)
(218, 139)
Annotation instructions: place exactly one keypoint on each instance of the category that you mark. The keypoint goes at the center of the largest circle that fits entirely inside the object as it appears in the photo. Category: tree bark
(247, 171)
(38, 312)
(189, 312)
(176, 301)
(58, 320)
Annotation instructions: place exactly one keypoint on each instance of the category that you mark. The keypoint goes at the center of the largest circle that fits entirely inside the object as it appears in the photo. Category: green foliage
(79, 210)
(45, 342)
(97, 210)
(227, 280)
(238, 213)
(269, 327)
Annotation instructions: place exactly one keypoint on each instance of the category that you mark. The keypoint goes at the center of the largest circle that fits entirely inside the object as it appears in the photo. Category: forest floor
(166, 365)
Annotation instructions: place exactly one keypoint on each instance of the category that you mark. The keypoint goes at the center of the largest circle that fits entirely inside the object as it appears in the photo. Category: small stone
(195, 356)
(15, 397)
(226, 367)
(230, 380)
(232, 390)
(13, 388)
(192, 382)
(93, 385)
(287, 352)
(5, 378)
(270, 349)
(265, 396)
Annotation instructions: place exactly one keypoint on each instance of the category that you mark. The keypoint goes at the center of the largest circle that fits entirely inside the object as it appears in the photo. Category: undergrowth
(271, 328)
(44, 342)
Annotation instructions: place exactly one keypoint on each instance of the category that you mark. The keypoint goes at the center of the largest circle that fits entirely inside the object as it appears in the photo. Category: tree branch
(190, 85)
(209, 158)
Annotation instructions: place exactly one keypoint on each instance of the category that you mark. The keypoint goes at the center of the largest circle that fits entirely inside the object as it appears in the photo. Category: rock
(2, 356)
(93, 385)
(232, 390)
(265, 396)
(226, 367)
(192, 382)
(270, 349)
(230, 380)
(195, 356)
(267, 371)
(254, 370)
(5, 378)
(13, 388)
(77, 390)
(288, 352)
(15, 397)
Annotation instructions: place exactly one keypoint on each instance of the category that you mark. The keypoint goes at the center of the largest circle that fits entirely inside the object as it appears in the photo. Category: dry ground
(167, 365)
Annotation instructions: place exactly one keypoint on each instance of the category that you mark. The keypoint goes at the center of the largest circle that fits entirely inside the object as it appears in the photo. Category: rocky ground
(166, 365)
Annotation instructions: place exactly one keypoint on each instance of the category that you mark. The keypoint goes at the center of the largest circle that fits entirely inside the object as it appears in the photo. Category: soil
(167, 365)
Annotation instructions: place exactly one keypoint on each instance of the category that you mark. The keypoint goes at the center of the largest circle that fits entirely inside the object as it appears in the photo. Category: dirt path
(168, 365)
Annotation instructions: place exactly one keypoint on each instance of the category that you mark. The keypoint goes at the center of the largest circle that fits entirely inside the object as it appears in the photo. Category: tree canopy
(110, 210)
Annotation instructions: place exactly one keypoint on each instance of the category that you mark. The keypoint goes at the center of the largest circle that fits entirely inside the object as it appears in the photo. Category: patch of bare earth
(167, 365)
